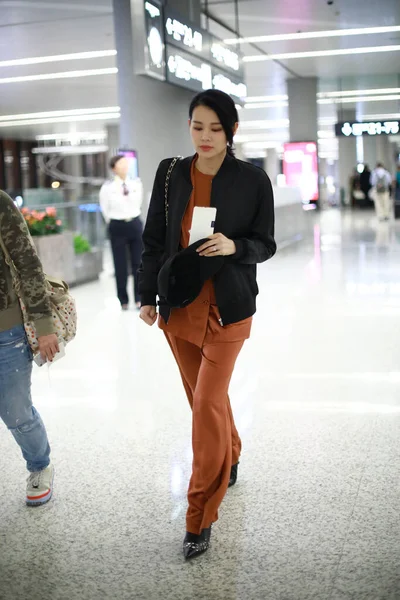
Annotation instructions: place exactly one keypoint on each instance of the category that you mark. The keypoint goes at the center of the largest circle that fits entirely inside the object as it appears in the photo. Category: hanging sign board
(370, 128)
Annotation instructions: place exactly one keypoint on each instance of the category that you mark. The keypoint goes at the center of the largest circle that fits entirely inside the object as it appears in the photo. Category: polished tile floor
(316, 394)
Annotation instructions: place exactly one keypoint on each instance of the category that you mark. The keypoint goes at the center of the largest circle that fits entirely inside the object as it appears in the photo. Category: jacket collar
(228, 166)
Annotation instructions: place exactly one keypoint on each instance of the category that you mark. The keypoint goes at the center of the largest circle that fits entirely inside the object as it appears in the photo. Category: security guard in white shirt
(121, 202)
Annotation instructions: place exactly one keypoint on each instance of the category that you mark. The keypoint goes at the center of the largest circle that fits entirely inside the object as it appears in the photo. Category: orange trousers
(206, 373)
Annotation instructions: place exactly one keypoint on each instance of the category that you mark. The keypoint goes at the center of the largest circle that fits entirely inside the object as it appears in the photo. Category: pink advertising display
(300, 167)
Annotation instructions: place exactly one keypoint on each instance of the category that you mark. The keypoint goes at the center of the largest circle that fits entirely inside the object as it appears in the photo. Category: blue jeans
(16, 408)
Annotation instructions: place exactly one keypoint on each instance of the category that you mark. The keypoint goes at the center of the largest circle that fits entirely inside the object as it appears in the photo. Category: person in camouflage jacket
(16, 409)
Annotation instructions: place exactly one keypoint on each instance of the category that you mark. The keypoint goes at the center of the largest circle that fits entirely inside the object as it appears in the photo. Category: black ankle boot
(194, 545)
(234, 474)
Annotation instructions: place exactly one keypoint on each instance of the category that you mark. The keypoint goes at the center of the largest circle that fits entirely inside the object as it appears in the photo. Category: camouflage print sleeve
(17, 240)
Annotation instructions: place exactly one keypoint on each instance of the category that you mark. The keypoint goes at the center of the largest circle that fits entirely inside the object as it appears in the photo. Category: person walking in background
(207, 334)
(365, 186)
(121, 203)
(354, 187)
(381, 181)
(397, 184)
(16, 409)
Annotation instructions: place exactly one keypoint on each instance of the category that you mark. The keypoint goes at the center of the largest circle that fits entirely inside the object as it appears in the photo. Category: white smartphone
(40, 362)
(203, 223)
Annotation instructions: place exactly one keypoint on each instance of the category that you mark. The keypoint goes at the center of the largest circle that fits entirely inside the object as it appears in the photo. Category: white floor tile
(316, 400)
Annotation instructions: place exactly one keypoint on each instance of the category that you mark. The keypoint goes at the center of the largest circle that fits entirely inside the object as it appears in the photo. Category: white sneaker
(40, 486)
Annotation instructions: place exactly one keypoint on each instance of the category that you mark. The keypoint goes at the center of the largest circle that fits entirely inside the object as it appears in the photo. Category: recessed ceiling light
(358, 99)
(380, 117)
(36, 60)
(321, 53)
(323, 95)
(62, 75)
(71, 119)
(254, 105)
(265, 124)
(306, 35)
(72, 135)
(266, 98)
(60, 113)
(344, 93)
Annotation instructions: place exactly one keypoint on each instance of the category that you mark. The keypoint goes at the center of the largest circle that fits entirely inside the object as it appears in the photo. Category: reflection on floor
(315, 513)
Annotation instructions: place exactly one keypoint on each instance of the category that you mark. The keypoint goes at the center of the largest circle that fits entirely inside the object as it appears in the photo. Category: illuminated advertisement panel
(300, 167)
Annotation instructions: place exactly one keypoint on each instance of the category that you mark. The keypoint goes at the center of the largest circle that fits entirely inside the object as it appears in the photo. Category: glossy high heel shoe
(234, 474)
(194, 545)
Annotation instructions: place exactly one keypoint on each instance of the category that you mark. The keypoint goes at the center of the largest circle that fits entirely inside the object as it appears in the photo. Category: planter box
(57, 255)
(88, 266)
(59, 259)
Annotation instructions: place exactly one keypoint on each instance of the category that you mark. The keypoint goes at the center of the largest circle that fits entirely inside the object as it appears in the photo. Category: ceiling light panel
(60, 113)
(263, 124)
(72, 119)
(75, 135)
(254, 105)
(325, 95)
(250, 99)
(344, 93)
(321, 53)
(62, 75)
(358, 99)
(307, 35)
(37, 60)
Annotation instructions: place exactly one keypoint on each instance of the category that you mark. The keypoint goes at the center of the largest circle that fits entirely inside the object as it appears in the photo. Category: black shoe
(234, 474)
(194, 545)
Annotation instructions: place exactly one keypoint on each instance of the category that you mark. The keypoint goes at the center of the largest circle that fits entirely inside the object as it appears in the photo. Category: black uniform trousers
(126, 240)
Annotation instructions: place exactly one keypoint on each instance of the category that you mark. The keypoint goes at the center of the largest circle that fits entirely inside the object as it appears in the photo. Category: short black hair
(379, 165)
(114, 160)
(225, 108)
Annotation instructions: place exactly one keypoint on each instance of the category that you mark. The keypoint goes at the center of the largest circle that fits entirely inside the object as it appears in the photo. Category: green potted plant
(88, 260)
(81, 244)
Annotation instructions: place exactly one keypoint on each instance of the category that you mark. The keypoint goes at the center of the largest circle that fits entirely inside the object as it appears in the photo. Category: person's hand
(48, 346)
(148, 314)
(218, 245)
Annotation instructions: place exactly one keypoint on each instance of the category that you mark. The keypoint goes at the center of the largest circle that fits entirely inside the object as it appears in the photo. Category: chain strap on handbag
(167, 180)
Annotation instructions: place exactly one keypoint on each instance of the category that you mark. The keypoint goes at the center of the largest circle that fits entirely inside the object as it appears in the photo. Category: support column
(394, 154)
(303, 109)
(347, 157)
(272, 165)
(383, 151)
(323, 173)
(370, 151)
(112, 140)
(154, 114)
(123, 29)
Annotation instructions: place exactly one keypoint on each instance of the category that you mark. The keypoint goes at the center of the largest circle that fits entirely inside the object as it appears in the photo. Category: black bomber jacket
(243, 196)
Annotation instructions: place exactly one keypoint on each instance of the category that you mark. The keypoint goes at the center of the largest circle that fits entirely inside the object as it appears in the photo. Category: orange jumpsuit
(206, 353)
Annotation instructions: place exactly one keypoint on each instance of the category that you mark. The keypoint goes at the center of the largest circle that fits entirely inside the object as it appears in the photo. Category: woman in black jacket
(207, 335)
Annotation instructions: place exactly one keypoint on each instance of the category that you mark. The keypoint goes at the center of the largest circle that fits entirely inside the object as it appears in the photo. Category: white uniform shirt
(115, 205)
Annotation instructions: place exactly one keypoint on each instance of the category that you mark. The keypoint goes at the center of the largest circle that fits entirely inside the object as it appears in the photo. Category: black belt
(124, 220)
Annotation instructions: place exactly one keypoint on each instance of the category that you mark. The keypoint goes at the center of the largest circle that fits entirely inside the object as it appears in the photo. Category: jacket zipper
(220, 321)
(184, 212)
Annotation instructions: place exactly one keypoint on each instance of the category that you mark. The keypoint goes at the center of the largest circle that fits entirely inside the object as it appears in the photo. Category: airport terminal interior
(314, 514)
